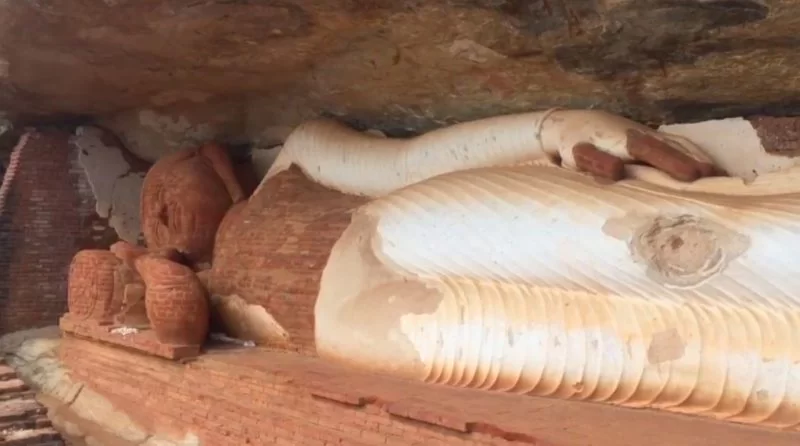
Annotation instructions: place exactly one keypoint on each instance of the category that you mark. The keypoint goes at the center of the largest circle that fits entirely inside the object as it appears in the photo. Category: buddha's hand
(601, 143)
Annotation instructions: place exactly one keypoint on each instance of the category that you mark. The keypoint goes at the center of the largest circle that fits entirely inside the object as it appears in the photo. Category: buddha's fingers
(589, 158)
(690, 148)
(677, 164)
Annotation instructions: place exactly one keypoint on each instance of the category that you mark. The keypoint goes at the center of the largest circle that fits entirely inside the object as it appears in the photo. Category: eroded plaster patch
(116, 189)
(685, 251)
(248, 322)
(666, 346)
(721, 138)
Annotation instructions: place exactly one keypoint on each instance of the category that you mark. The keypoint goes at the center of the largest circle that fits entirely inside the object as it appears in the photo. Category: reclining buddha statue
(478, 262)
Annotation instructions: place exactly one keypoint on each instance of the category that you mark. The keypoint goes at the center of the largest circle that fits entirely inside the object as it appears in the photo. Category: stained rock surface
(396, 64)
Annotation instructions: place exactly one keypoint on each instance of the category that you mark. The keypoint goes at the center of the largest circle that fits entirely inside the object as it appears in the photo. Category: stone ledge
(143, 341)
(321, 380)
(31, 437)
(348, 399)
(21, 394)
(414, 409)
(19, 410)
(33, 422)
(496, 416)
(6, 373)
(12, 386)
(23, 420)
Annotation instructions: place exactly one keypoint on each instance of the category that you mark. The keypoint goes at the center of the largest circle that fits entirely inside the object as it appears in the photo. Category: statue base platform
(142, 340)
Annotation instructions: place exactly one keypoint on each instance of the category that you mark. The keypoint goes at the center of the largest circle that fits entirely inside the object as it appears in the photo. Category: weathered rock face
(400, 65)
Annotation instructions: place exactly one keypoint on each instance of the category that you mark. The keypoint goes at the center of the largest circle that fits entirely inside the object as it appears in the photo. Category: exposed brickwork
(780, 136)
(272, 251)
(255, 397)
(46, 214)
(143, 341)
(91, 284)
(23, 421)
(230, 400)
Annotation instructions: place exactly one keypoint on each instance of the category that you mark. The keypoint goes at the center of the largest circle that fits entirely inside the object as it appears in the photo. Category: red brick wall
(272, 251)
(46, 215)
(260, 398)
(233, 401)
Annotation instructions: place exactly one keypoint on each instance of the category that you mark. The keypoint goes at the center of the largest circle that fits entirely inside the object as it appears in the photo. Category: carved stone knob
(177, 305)
(90, 292)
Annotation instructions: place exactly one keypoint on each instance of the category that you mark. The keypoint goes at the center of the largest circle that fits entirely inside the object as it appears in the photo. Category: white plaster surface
(115, 188)
(718, 138)
(125, 199)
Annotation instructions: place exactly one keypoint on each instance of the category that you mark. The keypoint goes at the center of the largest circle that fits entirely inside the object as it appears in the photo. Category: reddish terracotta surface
(247, 176)
(184, 198)
(272, 251)
(258, 397)
(130, 291)
(91, 285)
(203, 277)
(226, 232)
(176, 302)
(218, 159)
(47, 214)
(144, 341)
(127, 252)
(128, 286)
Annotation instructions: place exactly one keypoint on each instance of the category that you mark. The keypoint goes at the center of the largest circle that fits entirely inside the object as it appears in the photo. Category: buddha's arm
(537, 280)
(363, 164)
